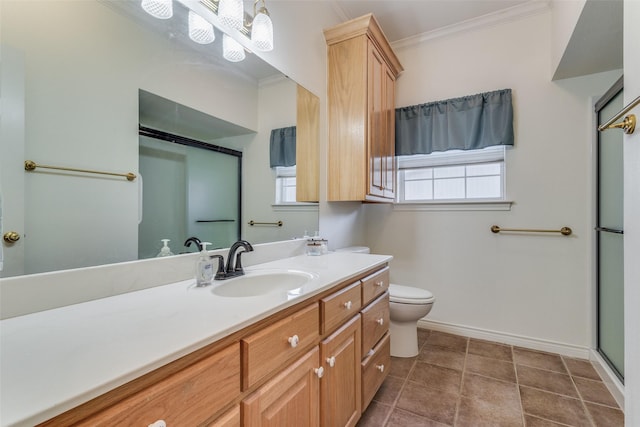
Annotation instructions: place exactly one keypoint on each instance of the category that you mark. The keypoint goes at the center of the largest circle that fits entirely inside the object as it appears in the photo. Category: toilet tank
(356, 249)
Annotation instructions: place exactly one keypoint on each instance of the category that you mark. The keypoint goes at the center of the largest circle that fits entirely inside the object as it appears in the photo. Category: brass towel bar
(565, 231)
(30, 165)
(278, 224)
(628, 125)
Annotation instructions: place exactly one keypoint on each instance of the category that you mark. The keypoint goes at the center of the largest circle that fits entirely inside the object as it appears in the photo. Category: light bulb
(231, 49)
(200, 30)
(161, 9)
(231, 13)
(262, 31)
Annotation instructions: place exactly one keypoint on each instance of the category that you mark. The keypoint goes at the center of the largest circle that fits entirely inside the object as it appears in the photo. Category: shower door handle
(610, 230)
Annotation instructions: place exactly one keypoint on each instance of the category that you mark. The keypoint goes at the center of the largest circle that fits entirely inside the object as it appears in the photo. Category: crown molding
(532, 7)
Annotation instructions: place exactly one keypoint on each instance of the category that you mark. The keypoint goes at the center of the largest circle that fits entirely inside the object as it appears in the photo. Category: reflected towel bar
(565, 231)
(30, 165)
(628, 125)
(277, 224)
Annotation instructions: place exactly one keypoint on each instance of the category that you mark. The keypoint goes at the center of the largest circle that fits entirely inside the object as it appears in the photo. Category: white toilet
(407, 305)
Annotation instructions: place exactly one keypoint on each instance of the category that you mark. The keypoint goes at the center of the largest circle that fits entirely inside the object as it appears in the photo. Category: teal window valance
(466, 123)
(283, 147)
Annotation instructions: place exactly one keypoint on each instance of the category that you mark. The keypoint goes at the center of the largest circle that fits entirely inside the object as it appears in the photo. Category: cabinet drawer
(188, 397)
(340, 306)
(266, 351)
(375, 322)
(375, 369)
(375, 285)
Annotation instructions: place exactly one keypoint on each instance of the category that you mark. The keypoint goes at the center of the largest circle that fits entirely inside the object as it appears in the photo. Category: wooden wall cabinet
(307, 146)
(361, 98)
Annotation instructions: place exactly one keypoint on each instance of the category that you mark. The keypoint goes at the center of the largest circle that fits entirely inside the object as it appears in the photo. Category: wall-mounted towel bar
(277, 224)
(30, 165)
(628, 125)
(565, 231)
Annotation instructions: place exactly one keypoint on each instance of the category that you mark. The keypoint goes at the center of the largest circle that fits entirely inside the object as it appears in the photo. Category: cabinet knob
(319, 371)
(331, 361)
(294, 341)
(159, 423)
(380, 368)
(348, 305)
(380, 321)
(380, 283)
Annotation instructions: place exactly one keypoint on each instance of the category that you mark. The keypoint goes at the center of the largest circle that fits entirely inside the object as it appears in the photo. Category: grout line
(464, 370)
(515, 371)
(584, 406)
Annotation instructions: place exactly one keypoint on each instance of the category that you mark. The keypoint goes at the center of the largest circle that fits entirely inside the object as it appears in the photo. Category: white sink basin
(261, 282)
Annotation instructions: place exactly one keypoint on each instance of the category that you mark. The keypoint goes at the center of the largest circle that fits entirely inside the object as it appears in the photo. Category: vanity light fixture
(262, 28)
(231, 13)
(200, 30)
(161, 9)
(232, 50)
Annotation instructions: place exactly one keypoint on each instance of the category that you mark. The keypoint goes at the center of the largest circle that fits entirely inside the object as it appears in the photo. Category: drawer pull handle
(294, 341)
(159, 423)
(380, 368)
(331, 361)
(348, 305)
(319, 371)
(380, 283)
(380, 321)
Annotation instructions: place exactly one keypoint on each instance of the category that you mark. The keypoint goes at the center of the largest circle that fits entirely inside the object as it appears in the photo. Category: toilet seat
(409, 295)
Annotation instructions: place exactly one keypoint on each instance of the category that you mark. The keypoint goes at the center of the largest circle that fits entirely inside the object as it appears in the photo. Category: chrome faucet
(235, 269)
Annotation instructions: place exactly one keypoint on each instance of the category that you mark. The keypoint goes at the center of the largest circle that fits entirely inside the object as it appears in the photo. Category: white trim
(465, 205)
(532, 7)
(510, 339)
(616, 388)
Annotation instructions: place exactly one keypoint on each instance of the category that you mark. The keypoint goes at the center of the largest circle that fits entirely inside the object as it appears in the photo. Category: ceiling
(401, 19)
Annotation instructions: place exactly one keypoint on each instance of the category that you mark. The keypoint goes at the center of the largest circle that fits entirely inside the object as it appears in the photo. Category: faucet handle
(220, 274)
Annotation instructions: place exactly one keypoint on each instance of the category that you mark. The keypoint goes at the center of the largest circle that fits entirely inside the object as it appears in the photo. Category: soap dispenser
(165, 250)
(204, 267)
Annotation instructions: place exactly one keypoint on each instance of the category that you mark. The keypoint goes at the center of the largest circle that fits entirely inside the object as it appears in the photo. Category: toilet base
(404, 338)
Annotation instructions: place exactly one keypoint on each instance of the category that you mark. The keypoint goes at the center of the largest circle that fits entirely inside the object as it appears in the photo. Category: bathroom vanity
(309, 355)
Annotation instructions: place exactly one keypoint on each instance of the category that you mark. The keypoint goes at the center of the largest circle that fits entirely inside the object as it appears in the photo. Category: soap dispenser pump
(204, 267)
(165, 250)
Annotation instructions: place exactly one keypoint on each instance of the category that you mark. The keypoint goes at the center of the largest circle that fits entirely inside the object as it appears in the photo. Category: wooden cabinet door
(376, 121)
(340, 387)
(291, 398)
(389, 141)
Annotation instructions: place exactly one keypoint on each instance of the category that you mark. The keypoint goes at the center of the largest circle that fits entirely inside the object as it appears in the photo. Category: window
(455, 175)
(285, 184)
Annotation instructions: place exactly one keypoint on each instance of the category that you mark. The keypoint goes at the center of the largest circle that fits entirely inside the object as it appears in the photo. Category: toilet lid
(409, 295)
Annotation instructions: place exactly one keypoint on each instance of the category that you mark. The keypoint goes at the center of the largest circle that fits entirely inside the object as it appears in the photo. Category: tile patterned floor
(459, 381)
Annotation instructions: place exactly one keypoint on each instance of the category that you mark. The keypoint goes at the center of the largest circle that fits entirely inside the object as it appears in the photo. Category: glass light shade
(161, 9)
(231, 49)
(200, 30)
(231, 13)
(262, 32)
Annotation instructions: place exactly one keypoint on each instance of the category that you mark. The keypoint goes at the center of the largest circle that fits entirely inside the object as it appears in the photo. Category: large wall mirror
(79, 78)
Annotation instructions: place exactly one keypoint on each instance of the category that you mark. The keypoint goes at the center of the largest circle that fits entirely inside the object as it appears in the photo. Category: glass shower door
(609, 232)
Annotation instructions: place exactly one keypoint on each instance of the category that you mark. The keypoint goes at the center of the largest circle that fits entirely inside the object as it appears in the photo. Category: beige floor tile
(553, 407)
(581, 368)
(389, 390)
(442, 357)
(554, 382)
(450, 341)
(431, 403)
(490, 349)
(603, 416)
(478, 413)
(375, 415)
(491, 368)
(496, 392)
(400, 418)
(531, 421)
(401, 366)
(595, 392)
(538, 359)
(437, 377)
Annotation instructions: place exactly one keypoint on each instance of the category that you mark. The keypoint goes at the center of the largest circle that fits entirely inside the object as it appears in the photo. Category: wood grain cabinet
(361, 97)
(318, 363)
(340, 398)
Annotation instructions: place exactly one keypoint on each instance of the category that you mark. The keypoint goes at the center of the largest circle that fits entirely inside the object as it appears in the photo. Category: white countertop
(57, 359)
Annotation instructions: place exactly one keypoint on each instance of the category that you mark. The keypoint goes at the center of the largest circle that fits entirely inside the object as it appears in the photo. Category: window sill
(295, 207)
(498, 205)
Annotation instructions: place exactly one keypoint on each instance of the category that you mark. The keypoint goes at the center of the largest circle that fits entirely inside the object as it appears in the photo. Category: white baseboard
(610, 379)
(505, 338)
